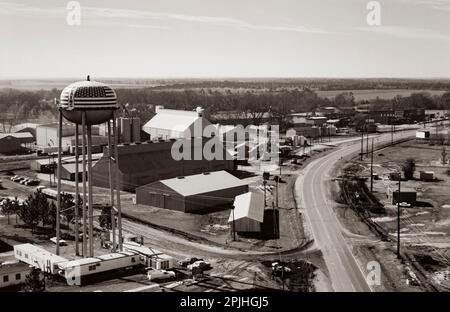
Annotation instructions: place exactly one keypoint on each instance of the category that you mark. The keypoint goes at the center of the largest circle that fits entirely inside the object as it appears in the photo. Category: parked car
(278, 269)
(17, 178)
(33, 182)
(25, 180)
(184, 263)
(160, 275)
(203, 265)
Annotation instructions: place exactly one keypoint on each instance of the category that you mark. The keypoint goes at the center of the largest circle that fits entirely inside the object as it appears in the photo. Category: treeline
(306, 83)
(19, 104)
(16, 105)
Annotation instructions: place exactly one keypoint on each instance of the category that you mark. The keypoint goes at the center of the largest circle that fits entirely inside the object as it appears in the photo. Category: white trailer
(39, 258)
(152, 258)
(105, 263)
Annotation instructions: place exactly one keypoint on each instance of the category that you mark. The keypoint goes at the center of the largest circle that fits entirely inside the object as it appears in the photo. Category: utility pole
(234, 231)
(371, 169)
(264, 184)
(276, 190)
(398, 216)
(362, 144)
(367, 142)
(392, 122)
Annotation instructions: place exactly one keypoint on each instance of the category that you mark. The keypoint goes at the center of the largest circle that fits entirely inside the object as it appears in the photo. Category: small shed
(408, 196)
(248, 213)
(427, 176)
(395, 176)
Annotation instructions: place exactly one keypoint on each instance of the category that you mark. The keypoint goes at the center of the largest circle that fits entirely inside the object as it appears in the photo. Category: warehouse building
(45, 165)
(68, 172)
(248, 213)
(176, 124)
(26, 127)
(195, 193)
(146, 162)
(47, 138)
(11, 142)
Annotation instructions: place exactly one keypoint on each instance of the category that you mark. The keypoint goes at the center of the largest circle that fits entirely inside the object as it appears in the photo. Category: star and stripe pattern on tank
(85, 97)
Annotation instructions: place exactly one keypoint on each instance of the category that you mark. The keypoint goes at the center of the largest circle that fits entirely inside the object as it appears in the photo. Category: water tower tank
(97, 99)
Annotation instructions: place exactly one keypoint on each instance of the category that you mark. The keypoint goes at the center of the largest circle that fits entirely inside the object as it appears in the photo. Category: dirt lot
(424, 227)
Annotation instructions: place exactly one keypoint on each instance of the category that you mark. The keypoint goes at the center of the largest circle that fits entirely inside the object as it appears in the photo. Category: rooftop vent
(206, 173)
(181, 177)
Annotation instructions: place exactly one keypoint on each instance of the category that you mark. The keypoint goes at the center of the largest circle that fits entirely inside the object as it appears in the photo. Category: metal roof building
(176, 124)
(248, 214)
(11, 142)
(194, 193)
(143, 163)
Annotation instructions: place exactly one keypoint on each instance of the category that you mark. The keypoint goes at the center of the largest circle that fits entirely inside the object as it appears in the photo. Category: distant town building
(194, 193)
(432, 114)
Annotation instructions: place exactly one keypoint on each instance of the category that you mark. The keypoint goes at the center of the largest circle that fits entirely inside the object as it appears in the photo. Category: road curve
(314, 200)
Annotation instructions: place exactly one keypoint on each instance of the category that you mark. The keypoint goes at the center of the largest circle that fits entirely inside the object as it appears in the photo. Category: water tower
(88, 103)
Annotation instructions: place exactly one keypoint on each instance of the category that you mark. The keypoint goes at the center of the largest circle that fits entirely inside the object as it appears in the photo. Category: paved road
(314, 196)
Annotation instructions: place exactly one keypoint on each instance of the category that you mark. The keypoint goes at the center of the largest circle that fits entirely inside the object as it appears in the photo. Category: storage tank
(125, 129)
(97, 99)
(136, 129)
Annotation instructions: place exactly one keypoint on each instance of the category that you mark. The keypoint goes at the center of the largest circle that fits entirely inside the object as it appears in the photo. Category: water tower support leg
(116, 161)
(90, 200)
(76, 224)
(83, 142)
(58, 196)
(111, 188)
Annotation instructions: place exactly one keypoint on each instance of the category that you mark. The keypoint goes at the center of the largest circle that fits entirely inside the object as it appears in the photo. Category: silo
(136, 129)
(125, 129)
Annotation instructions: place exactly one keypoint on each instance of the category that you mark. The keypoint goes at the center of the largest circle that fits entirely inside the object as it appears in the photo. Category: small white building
(13, 274)
(176, 124)
(248, 212)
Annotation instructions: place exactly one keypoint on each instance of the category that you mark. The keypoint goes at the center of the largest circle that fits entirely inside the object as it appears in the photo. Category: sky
(227, 38)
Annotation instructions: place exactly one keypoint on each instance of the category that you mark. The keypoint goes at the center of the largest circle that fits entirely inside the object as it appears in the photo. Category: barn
(194, 193)
(248, 213)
